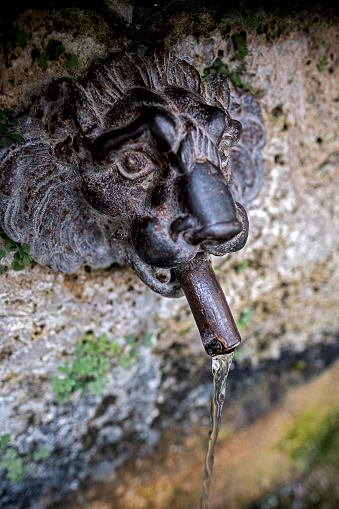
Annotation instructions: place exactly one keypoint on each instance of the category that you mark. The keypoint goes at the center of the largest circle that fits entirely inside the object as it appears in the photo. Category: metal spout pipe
(218, 331)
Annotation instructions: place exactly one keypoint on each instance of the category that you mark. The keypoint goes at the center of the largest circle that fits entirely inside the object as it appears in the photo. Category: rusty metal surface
(141, 164)
(207, 301)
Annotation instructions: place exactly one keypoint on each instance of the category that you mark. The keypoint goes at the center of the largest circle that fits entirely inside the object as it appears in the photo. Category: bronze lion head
(138, 164)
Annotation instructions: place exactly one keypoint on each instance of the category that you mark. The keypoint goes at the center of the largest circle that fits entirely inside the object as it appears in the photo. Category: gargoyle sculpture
(135, 166)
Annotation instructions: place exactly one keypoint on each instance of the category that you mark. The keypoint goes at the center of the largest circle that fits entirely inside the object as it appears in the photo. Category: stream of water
(220, 367)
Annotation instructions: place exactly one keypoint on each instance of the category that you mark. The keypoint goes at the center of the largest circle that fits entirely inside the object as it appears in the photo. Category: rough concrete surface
(290, 279)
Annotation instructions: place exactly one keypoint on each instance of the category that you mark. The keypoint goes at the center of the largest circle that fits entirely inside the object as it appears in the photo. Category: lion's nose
(211, 204)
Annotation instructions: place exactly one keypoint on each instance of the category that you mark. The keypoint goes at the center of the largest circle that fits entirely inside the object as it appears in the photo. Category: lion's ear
(218, 89)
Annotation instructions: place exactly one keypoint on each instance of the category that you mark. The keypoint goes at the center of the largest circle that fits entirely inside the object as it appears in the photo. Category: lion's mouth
(182, 268)
(156, 258)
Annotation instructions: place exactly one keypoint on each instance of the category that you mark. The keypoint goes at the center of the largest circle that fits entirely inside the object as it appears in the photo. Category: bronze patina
(141, 164)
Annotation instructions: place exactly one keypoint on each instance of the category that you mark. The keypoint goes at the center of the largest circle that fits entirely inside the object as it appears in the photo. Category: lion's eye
(137, 161)
(136, 164)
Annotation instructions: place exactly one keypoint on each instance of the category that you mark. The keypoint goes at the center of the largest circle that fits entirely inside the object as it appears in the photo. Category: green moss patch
(313, 441)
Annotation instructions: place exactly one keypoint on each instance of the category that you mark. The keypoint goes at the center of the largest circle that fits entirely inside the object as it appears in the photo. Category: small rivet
(162, 276)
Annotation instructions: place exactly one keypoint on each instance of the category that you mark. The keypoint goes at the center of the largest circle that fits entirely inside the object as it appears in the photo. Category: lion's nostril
(215, 233)
(182, 224)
